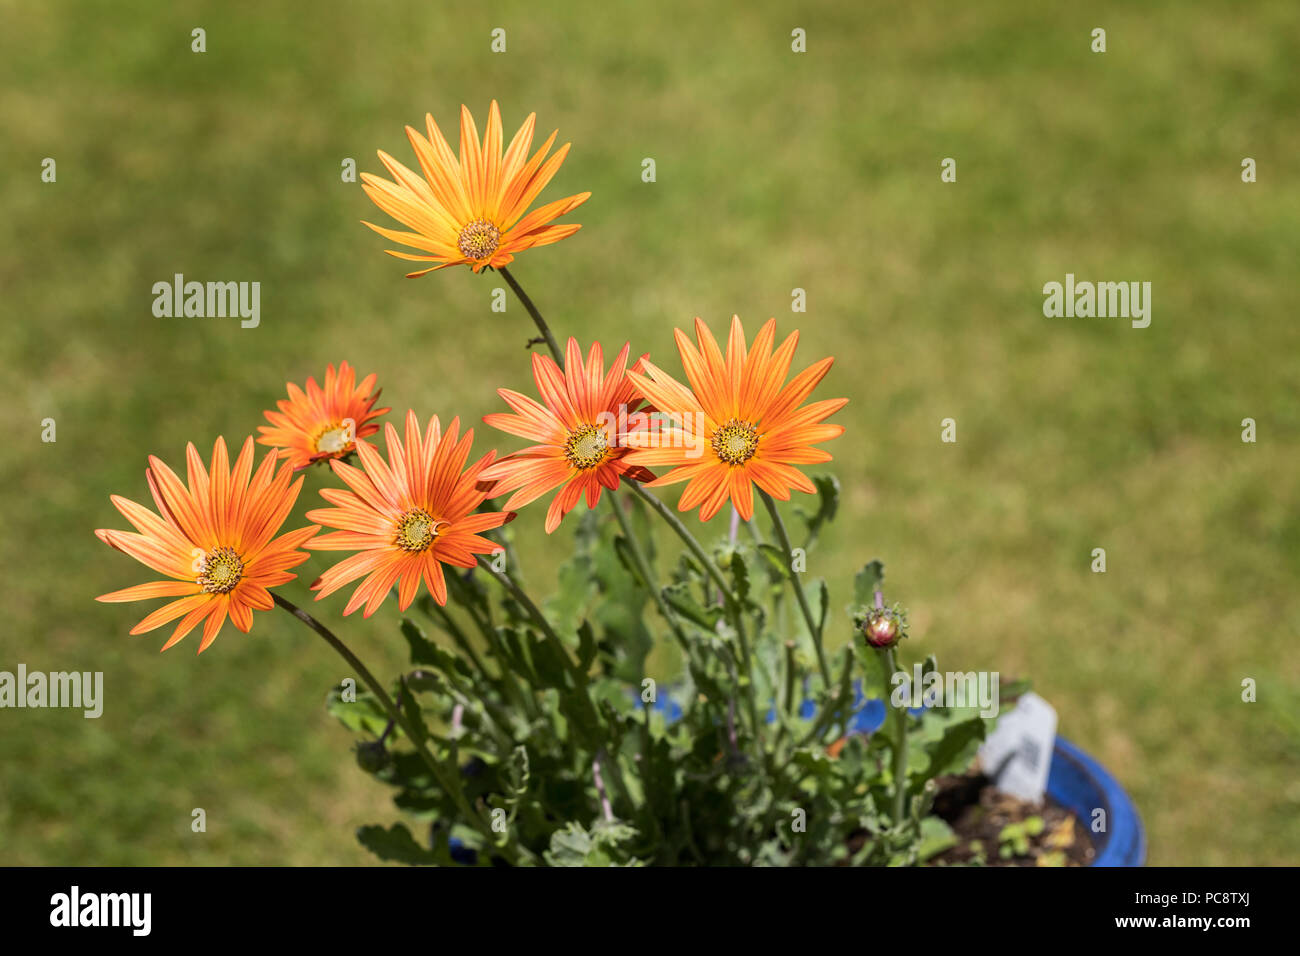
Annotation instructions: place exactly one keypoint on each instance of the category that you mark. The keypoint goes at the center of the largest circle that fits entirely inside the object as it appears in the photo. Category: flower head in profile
(577, 430)
(213, 538)
(739, 424)
(406, 517)
(322, 423)
(471, 211)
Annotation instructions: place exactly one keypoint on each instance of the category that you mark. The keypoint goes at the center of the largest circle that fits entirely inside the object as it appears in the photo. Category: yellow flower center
(334, 440)
(478, 240)
(586, 446)
(222, 570)
(735, 442)
(416, 530)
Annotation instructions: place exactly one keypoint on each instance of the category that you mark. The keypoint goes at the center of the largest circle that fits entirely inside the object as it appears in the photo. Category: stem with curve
(734, 610)
(451, 786)
(814, 632)
(643, 566)
(537, 316)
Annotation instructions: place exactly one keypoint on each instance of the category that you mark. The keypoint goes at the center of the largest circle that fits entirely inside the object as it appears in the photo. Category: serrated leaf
(548, 664)
(414, 717)
(364, 715)
(395, 845)
(422, 650)
(828, 501)
(867, 581)
(425, 652)
(680, 598)
(601, 846)
(740, 576)
(517, 778)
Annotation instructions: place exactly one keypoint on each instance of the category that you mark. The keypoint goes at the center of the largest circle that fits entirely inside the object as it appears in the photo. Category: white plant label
(1018, 754)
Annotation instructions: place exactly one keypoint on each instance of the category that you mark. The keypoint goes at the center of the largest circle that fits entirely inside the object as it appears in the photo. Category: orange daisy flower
(471, 211)
(323, 423)
(739, 423)
(581, 443)
(406, 518)
(213, 540)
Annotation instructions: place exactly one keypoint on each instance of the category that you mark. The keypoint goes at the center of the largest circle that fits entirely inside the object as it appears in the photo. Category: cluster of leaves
(554, 748)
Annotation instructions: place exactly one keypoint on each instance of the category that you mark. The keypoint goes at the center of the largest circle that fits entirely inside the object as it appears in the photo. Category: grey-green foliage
(744, 776)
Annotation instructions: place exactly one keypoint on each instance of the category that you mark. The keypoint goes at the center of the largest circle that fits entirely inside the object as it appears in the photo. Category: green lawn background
(776, 170)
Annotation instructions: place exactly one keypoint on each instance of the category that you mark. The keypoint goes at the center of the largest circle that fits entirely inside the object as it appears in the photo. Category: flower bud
(882, 627)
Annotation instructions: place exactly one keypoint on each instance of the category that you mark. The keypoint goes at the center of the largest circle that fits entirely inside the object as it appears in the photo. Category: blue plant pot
(1082, 786)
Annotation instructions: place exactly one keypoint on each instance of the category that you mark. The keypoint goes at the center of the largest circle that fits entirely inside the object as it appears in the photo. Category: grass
(775, 171)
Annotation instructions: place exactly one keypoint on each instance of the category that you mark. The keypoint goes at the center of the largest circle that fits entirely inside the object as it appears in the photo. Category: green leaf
(818, 597)
(364, 715)
(680, 598)
(587, 647)
(777, 561)
(828, 502)
(618, 617)
(867, 581)
(936, 836)
(414, 717)
(624, 551)
(953, 752)
(517, 659)
(575, 582)
(422, 650)
(395, 845)
(517, 777)
(601, 846)
(740, 576)
(548, 662)
(428, 654)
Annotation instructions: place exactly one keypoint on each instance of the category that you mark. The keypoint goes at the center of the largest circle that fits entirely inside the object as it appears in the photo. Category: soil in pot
(997, 829)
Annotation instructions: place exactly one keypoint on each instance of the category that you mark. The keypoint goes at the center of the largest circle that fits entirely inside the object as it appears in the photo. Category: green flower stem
(534, 612)
(790, 667)
(507, 679)
(643, 566)
(439, 613)
(890, 667)
(450, 784)
(537, 316)
(687, 538)
(735, 612)
(524, 700)
(814, 631)
(506, 581)
(738, 621)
